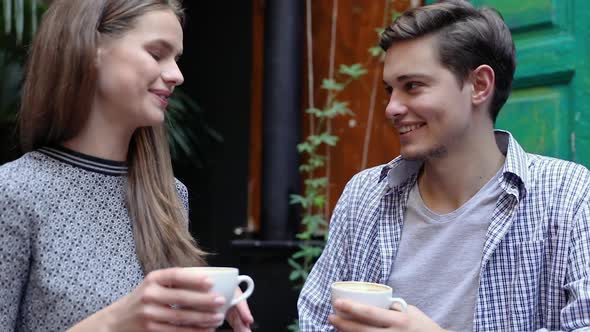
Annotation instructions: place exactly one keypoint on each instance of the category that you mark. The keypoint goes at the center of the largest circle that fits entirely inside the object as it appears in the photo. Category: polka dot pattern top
(66, 240)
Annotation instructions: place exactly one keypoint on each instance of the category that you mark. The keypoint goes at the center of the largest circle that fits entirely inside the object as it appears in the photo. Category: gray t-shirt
(439, 258)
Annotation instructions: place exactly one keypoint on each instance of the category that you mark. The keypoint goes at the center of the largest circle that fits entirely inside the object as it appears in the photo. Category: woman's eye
(155, 55)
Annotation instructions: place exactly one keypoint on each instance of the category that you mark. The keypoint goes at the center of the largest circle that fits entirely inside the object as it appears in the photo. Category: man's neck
(448, 182)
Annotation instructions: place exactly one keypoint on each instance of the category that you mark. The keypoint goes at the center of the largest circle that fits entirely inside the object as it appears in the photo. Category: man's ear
(483, 81)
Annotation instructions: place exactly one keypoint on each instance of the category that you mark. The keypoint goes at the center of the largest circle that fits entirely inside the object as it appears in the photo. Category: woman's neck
(101, 140)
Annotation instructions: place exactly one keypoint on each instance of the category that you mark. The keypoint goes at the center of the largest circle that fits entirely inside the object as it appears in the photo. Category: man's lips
(407, 128)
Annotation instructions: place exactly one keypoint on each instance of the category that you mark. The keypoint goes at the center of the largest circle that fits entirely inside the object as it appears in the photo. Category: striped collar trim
(86, 162)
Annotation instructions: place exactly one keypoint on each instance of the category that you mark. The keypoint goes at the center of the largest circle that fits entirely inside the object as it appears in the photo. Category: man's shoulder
(554, 168)
(369, 178)
(558, 176)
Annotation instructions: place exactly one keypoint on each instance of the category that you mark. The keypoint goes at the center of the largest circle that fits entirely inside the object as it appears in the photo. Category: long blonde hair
(60, 82)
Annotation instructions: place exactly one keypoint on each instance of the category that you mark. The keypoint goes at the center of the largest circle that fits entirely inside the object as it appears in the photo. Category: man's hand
(364, 318)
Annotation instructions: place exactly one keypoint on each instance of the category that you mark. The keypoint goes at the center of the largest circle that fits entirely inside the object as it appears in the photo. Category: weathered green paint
(533, 116)
(549, 110)
(521, 15)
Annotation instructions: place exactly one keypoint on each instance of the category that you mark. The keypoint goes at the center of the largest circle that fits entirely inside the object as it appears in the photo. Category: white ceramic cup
(225, 281)
(369, 293)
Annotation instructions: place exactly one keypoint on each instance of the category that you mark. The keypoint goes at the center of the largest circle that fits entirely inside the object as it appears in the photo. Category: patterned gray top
(66, 241)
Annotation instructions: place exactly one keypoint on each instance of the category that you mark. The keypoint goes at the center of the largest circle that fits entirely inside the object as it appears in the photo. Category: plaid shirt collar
(515, 175)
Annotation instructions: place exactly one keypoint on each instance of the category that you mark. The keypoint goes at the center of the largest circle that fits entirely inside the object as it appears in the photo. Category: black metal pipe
(283, 56)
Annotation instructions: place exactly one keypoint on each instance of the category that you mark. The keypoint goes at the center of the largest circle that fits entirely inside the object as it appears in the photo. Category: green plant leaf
(294, 264)
(317, 219)
(337, 108)
(328, 139)
(294, 327)
(305, 274)
(312, 251)
(332, 85)
(19, 11)
(15, 13)
(304, 236)
(323, 138)
(375, 50)
(319, 201)
(354, 71)
(314, 140)
(306, 168)
(34, 16)
(190, 136)
(298, 199)
(305, 147)
(295, 274)
(317, 183)
(7, 6)
(379, 31)
(317, 161)
(314, 111)
(299, 254)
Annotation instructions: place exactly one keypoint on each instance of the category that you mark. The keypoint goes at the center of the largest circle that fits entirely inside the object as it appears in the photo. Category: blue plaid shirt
(535, 267)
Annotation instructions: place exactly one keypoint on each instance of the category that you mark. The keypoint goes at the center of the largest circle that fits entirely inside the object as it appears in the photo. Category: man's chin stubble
(436, 153)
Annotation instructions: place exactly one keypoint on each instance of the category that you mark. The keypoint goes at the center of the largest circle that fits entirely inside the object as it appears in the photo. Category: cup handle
(399, 301)
(247, 292)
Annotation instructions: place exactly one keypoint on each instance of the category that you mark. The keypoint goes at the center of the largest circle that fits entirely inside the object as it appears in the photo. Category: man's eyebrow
(408, 76)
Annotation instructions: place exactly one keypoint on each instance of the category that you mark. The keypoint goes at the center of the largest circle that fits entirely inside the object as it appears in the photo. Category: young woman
(93, 225)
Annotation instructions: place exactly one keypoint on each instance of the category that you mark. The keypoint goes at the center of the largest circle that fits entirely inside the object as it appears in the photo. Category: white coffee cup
(369, 293)
(225, 282)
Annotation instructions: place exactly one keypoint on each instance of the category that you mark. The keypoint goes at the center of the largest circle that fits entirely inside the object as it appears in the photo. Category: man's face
(427, 106)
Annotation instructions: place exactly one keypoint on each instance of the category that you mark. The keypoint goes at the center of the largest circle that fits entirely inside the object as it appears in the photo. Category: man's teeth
(406, 129)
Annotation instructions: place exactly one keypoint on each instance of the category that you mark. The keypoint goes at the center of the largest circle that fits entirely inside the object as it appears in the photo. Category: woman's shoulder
(182, 193)
(180, 187)
(23, 174)
(20, 169)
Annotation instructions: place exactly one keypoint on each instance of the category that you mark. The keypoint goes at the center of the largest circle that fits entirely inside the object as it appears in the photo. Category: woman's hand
(172, 299)
(239, 316)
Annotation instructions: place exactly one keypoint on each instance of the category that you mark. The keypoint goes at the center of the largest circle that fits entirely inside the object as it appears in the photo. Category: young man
(472, 231)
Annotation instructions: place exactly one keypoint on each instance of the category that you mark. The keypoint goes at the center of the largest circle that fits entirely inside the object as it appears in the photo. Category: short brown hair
(467, 37)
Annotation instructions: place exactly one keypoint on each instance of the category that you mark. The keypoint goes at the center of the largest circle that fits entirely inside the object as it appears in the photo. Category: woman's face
(137, 71)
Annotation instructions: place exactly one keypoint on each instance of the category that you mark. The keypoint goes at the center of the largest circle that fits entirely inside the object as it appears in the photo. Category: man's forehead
(412, 57)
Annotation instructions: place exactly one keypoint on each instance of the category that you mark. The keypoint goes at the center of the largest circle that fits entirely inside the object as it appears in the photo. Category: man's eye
(389, 90)
(412, 85)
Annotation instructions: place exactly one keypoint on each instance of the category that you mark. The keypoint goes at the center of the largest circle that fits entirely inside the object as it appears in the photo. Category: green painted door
(549, 109)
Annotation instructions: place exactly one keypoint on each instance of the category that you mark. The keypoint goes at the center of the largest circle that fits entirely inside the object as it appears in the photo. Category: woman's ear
(98, 56)
(100, 49)
(483, 81)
